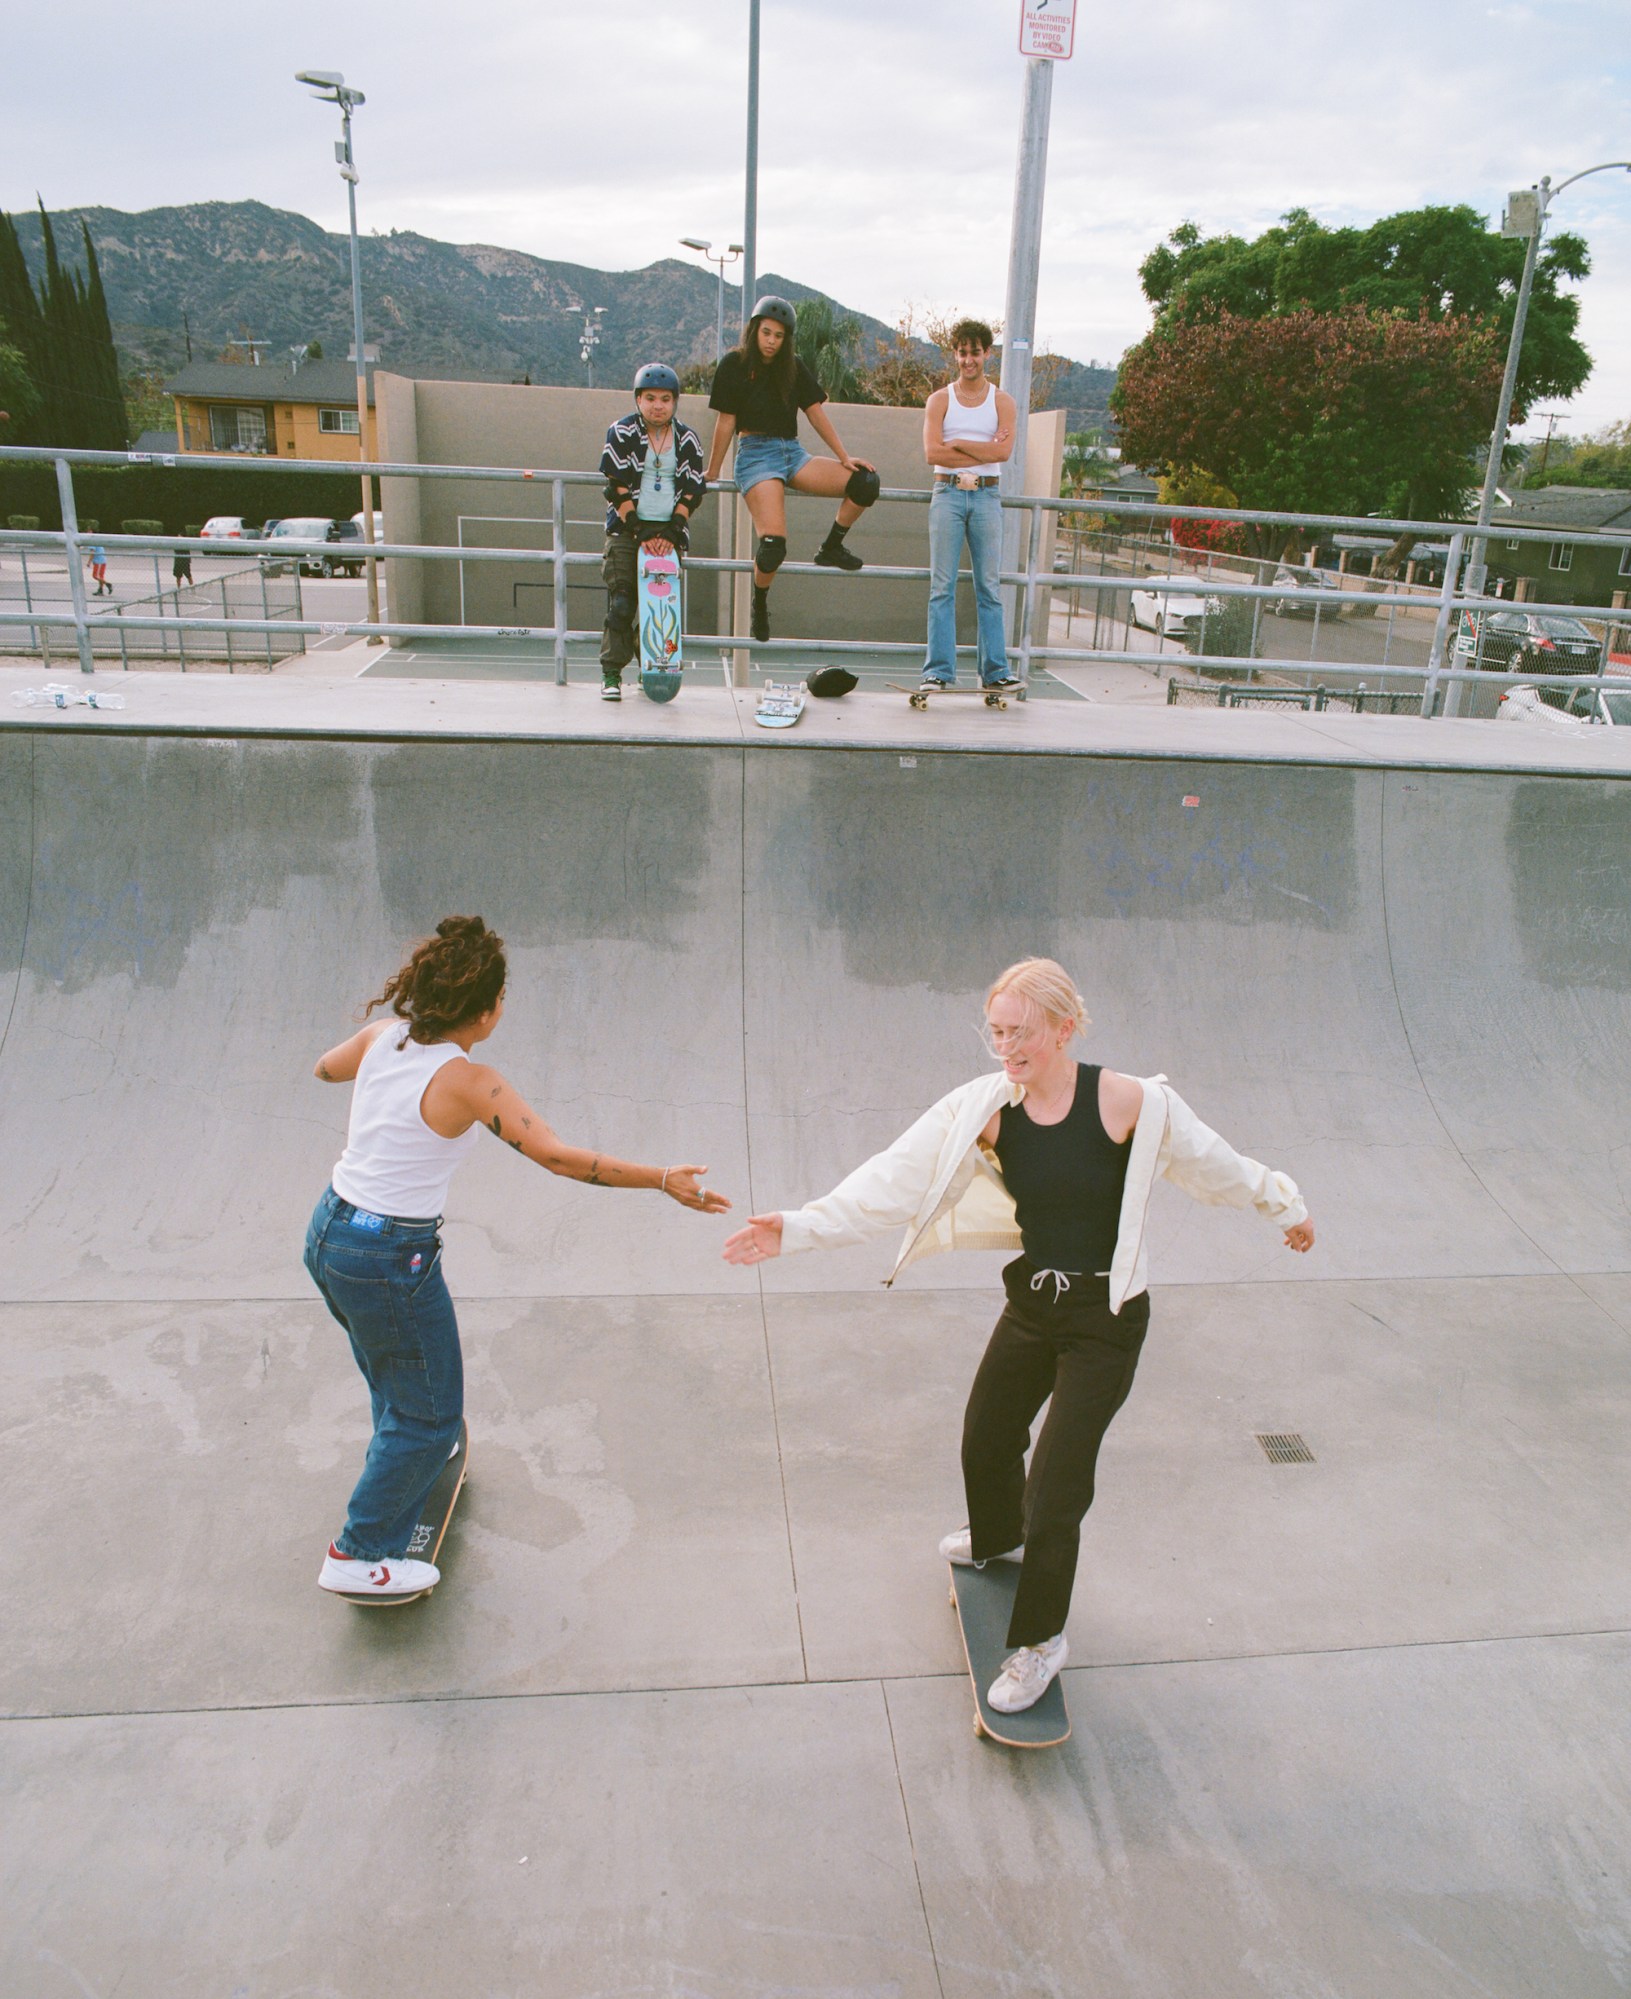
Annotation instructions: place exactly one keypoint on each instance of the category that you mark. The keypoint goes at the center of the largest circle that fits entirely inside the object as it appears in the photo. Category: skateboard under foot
(984, 1602)
(425, 1543)
(993, 697)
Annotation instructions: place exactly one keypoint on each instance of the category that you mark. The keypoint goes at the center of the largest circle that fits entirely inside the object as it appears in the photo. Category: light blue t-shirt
(656, 501)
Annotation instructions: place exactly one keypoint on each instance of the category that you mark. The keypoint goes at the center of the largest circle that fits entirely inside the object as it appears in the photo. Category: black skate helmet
(778, 309)
(657, 375)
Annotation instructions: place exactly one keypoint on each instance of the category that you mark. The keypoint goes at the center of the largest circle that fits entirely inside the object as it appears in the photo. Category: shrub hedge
(170, 497)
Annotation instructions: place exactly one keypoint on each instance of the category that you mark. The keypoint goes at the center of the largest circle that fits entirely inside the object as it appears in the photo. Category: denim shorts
(760, 458)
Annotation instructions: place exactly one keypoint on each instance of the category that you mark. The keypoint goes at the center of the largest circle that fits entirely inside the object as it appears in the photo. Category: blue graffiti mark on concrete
(111, 931)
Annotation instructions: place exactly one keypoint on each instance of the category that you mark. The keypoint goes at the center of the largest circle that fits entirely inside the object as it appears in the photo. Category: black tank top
(1066, 1180)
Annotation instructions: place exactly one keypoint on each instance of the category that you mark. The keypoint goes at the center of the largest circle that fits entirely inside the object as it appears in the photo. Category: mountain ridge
(219, 271)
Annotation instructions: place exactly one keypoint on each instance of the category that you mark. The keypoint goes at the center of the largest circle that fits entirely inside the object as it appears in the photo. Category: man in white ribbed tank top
(968, 433)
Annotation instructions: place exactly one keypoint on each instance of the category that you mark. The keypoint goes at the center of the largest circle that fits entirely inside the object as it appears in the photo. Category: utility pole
(750, 212)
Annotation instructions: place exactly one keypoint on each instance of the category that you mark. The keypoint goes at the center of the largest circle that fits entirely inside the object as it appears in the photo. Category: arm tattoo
(322, 1070)
(496, 1091)
(594, 1172)
(496, 1127)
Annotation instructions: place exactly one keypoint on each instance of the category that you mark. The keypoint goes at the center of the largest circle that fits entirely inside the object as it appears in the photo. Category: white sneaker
(959, 1548)
(387, 1578)
(1027, 1675)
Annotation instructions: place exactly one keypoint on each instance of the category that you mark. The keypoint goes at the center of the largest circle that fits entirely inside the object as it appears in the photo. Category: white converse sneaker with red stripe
(389, 1577)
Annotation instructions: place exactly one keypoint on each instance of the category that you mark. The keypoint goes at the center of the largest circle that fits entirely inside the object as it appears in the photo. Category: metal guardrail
(1440, 680)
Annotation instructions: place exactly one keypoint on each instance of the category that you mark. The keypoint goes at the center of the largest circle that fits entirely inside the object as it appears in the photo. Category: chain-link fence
(1359, 700)
(246, 596)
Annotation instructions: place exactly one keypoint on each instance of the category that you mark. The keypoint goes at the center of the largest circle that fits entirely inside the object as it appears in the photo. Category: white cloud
(601, 134)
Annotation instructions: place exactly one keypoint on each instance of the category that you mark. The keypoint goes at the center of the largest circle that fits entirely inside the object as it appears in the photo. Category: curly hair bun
(449, 980)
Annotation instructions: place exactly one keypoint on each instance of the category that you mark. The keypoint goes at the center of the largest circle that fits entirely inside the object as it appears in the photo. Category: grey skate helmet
(657, 375)
(778, 309)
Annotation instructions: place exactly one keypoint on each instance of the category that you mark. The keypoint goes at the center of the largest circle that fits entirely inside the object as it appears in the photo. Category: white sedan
(1609, 706)
(1170, 616)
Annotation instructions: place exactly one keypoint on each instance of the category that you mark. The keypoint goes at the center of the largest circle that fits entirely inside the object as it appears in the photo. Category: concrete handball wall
(479, 423)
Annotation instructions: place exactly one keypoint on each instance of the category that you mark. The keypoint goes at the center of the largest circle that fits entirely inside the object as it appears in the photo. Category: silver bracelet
(662, 1184)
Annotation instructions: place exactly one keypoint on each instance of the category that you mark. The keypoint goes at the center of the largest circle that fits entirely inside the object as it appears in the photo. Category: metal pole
(1441, 627)
(557, 520)
(1019, 311)
(28, 605)
(719, 328)
(76, 575)
(363, 452)
(750, 209)
(1509, 381)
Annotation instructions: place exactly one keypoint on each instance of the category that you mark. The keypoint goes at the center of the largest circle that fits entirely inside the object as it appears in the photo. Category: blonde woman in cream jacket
(1056, 1159)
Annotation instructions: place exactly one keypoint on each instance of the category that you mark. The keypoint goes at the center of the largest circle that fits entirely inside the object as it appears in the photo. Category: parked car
(1537, 642)
(350, 532)
(1286, 578)
(1170, 616)
(1567, 707)
(224, 527)
(304, 527)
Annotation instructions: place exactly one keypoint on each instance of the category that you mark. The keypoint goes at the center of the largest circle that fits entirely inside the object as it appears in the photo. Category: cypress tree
(108, 411)
(20, 310)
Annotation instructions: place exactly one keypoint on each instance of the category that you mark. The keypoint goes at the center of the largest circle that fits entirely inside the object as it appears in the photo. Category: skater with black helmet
(652, 465)
(759, 389)
(374, 1246)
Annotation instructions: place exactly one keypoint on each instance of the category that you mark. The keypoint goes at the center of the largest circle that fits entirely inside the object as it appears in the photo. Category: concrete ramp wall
(1408, 988)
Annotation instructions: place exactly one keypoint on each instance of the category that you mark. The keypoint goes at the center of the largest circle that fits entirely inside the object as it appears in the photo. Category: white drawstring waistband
(1061, 1281)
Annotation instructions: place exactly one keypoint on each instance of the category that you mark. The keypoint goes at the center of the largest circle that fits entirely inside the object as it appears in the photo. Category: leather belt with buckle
(968, 481)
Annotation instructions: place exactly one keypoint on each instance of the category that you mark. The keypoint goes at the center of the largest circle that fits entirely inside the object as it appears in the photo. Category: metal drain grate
(1285, 1447)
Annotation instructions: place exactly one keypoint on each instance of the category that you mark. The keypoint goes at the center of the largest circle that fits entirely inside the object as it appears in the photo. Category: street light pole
(750, 212)
(590, 340)
(1526, 212)
(331, 87)
(725, 257)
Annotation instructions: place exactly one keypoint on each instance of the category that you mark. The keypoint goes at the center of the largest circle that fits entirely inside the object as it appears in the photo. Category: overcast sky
(602, 132)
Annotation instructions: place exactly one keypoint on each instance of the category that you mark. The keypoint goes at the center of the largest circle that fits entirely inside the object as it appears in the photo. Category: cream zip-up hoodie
(948, 1191)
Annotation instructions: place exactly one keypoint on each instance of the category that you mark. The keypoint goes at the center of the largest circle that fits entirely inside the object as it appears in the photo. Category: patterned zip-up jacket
(624, 460)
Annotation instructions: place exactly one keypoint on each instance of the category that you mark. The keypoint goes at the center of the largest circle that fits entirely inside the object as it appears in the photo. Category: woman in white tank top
(374, 1246)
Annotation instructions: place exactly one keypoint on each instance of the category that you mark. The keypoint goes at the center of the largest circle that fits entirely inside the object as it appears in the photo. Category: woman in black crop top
(759, 389)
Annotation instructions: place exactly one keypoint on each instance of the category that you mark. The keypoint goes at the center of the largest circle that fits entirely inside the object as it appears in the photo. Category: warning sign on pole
(1047, 28)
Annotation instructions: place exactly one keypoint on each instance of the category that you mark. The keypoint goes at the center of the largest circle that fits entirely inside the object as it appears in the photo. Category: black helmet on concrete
(657, 375)
(778, 309)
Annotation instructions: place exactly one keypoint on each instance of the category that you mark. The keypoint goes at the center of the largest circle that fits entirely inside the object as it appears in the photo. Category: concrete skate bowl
(1409, 988)
(688, 1712)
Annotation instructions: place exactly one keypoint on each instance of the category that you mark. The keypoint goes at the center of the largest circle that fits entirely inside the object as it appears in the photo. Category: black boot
(760, 626)
(832, 554)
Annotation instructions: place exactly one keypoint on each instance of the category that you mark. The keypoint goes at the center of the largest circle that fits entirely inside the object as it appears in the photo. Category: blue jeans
(382, 1279)
(956, 513)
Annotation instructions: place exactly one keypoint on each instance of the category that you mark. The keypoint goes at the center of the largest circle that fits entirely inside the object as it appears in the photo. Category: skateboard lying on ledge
(781, 703)
(984, 1602)
(993, 697)
(425, 1542)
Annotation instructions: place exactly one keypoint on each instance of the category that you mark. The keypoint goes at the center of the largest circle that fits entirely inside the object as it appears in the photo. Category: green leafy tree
(828, 344)
(19, 399)
(1439, 262)
(1385, 348)
(1347, 412)
(1603, 460)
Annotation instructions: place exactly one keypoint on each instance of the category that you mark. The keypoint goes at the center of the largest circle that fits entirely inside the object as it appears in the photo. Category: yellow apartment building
(271, 410)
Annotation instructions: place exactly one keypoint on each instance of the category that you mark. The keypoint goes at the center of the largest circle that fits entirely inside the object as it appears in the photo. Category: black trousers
(1073, 1348)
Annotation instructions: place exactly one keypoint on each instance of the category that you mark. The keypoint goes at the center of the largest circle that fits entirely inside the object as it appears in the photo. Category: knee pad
(770, 554)
(864, 486)
(619, 607)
